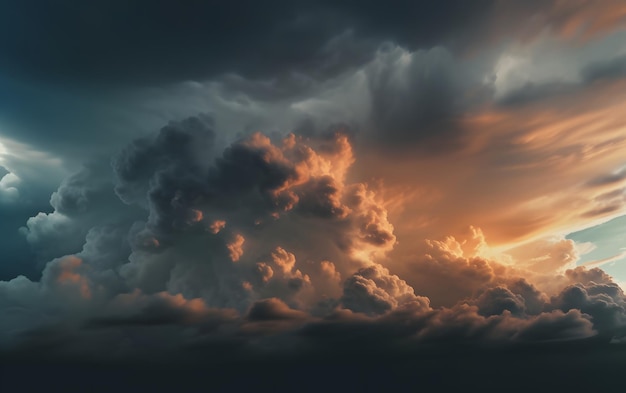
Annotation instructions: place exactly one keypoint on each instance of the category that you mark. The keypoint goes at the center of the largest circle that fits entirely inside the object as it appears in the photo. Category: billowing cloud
(270, 241)
(85, 201)
(374, 291)
(8, 188)
(394, 187)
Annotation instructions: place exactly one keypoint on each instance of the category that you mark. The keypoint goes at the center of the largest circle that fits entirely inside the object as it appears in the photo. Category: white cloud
(8, 188)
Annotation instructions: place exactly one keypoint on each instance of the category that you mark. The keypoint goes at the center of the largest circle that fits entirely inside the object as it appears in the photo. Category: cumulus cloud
(83, 201)
(374, 291)
(8, 188)
(604, 302)
(546, 255)
(270, 240)
(235, 247)
(286, 232)
(495, 301)
(180, 217)
(329, 197)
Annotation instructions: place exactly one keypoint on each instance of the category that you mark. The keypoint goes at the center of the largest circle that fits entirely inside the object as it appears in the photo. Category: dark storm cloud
(166, 41)
(604, 302)
(414, 95)
(174, 326)
(401, 98)
(534, 299)
(264, 254)
(169, 215)
(176, 173)
(151, 262)
(495, 301)
(160, 166)
(614, 68)
(83, 201)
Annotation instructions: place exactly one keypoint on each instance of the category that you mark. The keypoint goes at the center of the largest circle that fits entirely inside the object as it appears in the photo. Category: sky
(233, 196)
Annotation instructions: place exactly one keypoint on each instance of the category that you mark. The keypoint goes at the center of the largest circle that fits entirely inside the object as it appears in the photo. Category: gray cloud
(83, 201)
(203, 40)
(495, 301)
(209, 243)
(614, 68)
(373, 291)
(605, 303)
(413, 95)
(160, 260)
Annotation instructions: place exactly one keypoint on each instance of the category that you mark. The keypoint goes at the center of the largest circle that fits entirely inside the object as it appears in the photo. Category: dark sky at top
(148, 42)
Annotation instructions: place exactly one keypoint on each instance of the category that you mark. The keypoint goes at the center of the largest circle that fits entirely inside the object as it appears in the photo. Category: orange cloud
(524, 172)
(67, 274)
(586, 19)
(216, 226)
(235, 247)
(576, 20)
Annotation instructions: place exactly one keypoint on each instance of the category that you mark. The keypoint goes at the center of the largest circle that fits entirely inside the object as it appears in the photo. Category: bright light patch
(8, 183)
(609, 240)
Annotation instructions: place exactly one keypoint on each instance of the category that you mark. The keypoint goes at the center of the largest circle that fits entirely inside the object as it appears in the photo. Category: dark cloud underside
(166, 41)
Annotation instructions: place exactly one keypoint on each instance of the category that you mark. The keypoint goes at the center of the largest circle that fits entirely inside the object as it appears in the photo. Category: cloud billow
(269, 240)
(372, 192)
